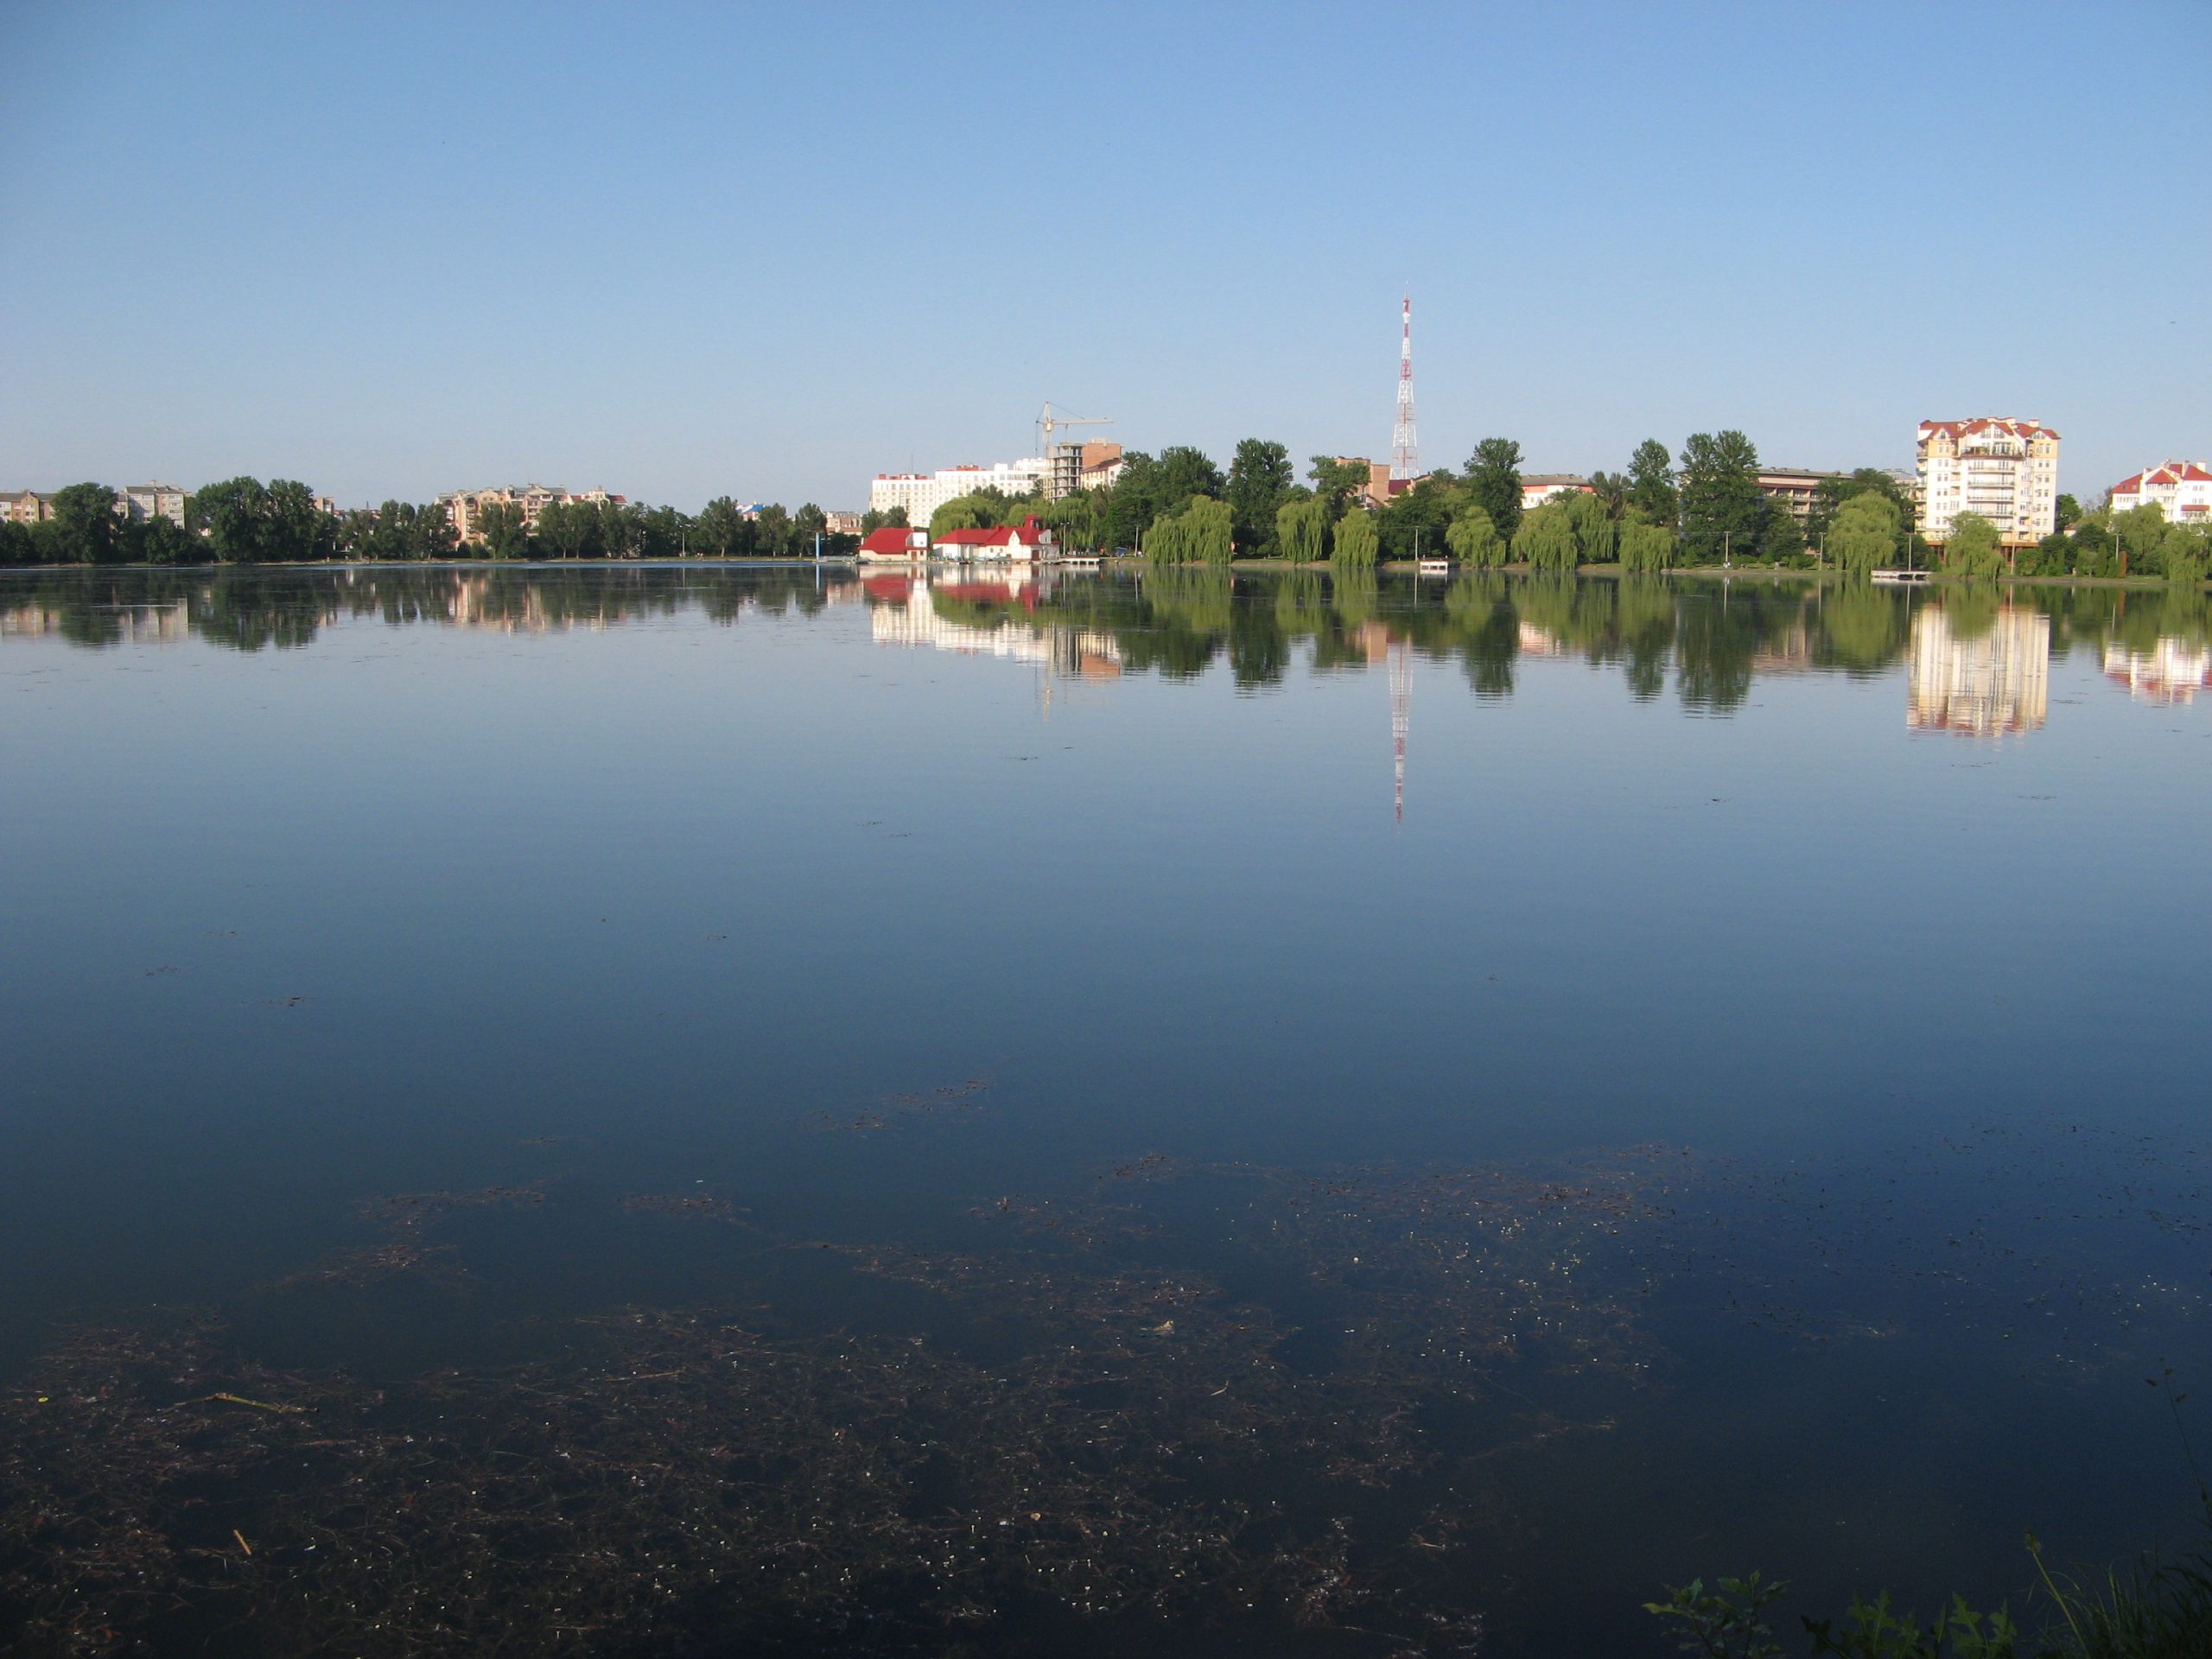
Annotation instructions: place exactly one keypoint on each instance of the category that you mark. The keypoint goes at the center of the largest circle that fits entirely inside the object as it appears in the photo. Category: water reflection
(1980, 669)
(1975, 661)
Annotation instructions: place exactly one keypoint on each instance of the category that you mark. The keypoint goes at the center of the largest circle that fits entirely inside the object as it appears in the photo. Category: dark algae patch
(1074, 1431)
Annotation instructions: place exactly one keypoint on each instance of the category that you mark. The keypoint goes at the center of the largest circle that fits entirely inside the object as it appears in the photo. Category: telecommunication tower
(1405, 448)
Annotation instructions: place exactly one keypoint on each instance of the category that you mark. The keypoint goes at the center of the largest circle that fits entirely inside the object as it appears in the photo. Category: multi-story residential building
(466, 507)
(1795, 486)
(29, 506)
(2183, 488)
(922, 494)
(2002, 467)
(139, 502)
(1103, 465)
(1087, 466)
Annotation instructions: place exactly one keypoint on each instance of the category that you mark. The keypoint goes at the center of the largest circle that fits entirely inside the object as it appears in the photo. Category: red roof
(2170, 472)
(1027, 535)
(2015, 427)
(891, 538)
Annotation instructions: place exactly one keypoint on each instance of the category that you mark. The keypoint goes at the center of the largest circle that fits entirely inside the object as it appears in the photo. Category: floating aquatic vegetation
(1072, 1423)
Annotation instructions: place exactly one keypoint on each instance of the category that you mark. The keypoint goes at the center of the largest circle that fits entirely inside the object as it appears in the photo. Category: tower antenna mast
(1405, 447)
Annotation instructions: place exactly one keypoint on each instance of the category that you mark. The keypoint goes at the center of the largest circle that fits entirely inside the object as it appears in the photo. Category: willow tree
(1592, 526)
(1211, 525)
(1973, 549)
(1545, 539)
(1302, 530)
(1356, 540)
(1474, 540)
(1863, 534)
(1646, 548)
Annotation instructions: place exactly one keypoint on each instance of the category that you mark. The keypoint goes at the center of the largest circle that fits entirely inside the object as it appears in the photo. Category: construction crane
(1048, 423)
(1063, 478)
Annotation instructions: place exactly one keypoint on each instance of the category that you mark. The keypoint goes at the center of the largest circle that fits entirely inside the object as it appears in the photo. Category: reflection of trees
(1177, 621)
(1647, 633)
(1862, 627)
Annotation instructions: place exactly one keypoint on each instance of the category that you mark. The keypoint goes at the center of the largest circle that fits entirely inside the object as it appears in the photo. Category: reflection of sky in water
(681, 863)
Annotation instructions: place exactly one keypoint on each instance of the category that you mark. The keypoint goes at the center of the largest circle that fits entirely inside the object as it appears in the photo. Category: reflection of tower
(1405, 450)
(1401, 697)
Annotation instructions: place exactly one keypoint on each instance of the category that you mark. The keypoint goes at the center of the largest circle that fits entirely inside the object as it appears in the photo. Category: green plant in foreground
(1872, 1631)
(1723, 1625)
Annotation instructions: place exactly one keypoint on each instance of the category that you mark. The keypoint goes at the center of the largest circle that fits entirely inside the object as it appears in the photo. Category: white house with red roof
(1022, 543)
(893, 544)
(2183, 488)
(2000, 467)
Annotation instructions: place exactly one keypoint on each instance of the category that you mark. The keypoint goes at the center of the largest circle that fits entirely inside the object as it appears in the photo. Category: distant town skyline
(691, 254)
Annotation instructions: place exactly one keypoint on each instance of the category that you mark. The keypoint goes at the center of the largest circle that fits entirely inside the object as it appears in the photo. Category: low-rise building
(29, 506)
(2002, 467)
(1536, 488)
(1794, 488)
(2182, 488)
(922, 494)
(1021, 544)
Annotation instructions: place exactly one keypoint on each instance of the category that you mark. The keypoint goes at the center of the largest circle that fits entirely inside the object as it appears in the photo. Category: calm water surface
(1279, 1118)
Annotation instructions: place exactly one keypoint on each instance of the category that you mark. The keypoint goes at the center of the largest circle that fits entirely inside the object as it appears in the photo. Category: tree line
(246, 521)
(1699, 509)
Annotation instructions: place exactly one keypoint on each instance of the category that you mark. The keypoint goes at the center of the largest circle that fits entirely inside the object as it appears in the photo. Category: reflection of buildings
(1997, 682)
(146, 624)
(912, 611)
(1540, 642)
(2171, 671)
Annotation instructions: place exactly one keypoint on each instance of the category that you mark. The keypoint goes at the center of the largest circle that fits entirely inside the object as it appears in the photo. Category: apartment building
(466, 507)
(1794, 488)
(2182, 488)
(2002, 467)
(922, 494)
(28, 506)
(139, 502)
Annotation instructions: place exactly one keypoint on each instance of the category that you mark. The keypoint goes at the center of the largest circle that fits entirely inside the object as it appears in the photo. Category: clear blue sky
(771, 249)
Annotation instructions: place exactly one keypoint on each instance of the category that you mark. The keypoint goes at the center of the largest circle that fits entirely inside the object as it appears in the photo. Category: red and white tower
(1405, 448)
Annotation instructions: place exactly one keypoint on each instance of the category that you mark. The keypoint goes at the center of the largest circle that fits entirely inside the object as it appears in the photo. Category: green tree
(1355, 542)
(1611, 491)
(2184, 553)
(17, 544)
(1646, 548)
(2070, 513)
(771, 531)
(974, 511)
(1592, 526)
(568, 530)
(1474, 540)
(1336, 482)
(873, 520)
(1302, 529)
(1494, 481)
(1651, 483)
(1973, 550)
(85, 524)
(1781, 538)
(1721, 505)
(2138, 531)
(1260, 478)
(431, 533)
(235, 515)
(722, 531)
(1863, 534)
(1545, 539)
(1186, 472)
(505, 530)
(1211, 525)
(159, 540)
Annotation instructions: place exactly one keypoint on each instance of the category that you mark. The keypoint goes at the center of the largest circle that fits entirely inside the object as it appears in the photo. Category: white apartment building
(2183, 488)
(922, 494)
(2004, 468)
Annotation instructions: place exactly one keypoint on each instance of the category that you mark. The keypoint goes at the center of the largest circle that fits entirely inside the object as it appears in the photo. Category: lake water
(674, 1110)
